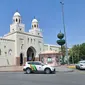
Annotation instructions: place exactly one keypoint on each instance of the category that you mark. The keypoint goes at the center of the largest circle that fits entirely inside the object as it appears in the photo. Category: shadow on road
(40, 73)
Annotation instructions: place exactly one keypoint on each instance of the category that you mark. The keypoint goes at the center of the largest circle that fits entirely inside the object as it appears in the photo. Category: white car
(81, 65)
(36, 66)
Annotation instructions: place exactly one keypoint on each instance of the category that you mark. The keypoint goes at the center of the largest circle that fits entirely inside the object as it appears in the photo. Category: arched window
(4, 46)
(20, 29)
(0, 51)
(34, 25)
(31, 40)
(38, 33)
(16, 20)
(10, 51)
(12, 29)
(5, 53)
(28, 40)
(22, 46)
(49, 59)
(50, 48)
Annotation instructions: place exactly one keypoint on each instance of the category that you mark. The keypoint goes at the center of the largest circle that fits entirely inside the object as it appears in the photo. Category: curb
(11, 71)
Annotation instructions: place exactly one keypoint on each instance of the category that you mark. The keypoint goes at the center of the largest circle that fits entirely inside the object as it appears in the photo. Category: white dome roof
(17, 14)
(34, 21)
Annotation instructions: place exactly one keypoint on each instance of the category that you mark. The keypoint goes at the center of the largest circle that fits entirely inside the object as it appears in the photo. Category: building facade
(19, 46)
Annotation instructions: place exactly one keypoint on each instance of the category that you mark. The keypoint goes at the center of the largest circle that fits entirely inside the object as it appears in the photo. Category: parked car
(36, 66)
(81, 65)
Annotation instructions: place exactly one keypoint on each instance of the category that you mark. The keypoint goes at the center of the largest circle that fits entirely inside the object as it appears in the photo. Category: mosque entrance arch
(31, 52)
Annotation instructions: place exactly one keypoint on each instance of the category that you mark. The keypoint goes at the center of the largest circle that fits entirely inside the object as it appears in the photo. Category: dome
(34, 21)
(17, 14)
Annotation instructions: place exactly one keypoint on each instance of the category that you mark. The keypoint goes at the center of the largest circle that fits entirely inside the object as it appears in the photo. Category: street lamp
(62, 4)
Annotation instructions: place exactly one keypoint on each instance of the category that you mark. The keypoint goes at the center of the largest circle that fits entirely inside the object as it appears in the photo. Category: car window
(82, 62)
(36, 63)
(30, 62)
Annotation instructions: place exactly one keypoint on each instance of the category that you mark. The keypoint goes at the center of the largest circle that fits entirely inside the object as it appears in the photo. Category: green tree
(74, 53)
(63, 50)
(77, 52)
(82, 51)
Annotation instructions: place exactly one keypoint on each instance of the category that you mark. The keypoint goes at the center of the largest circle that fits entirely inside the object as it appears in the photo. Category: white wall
(7, 52)
(22, 38)
(51, 48)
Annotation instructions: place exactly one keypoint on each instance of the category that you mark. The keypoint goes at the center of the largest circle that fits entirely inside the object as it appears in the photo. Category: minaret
(34, 23)
(17, 18)
(35, 30)
(16, 23)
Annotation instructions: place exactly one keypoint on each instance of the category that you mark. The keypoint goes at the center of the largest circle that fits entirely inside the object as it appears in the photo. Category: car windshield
(43, 63)
(82, 62)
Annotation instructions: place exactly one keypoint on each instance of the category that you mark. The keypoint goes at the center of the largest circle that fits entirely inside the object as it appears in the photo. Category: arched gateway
(31, 52)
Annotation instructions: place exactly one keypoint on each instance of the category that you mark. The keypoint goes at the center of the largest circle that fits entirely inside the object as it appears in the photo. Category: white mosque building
(19, 46)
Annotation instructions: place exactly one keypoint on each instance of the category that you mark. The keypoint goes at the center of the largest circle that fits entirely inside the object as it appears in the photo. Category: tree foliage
(82, 51)
(76, 53)
(63, 50)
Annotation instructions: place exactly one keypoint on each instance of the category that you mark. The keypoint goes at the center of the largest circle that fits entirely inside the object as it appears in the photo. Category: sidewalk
(11, 68)
(20, 69)
(64, 69)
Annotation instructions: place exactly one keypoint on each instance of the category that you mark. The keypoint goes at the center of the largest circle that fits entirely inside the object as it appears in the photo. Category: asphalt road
(60, 78)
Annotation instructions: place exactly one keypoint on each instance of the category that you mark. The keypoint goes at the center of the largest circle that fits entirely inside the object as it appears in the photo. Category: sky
(49, 15)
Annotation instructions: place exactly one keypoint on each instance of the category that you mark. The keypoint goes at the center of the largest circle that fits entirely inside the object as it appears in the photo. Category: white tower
(17, 24)
(34, 23)
(35, 30)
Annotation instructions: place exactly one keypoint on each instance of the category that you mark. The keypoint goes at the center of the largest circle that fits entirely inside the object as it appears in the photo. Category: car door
(38, 66)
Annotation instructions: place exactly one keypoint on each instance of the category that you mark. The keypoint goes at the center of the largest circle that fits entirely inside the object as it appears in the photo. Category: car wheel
(47, 71)
(28, 70)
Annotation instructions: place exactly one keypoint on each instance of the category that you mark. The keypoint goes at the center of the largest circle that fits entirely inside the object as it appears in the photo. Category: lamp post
(62, 4)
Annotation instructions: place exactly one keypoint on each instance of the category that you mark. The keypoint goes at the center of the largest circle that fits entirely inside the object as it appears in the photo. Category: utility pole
(62, 4)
